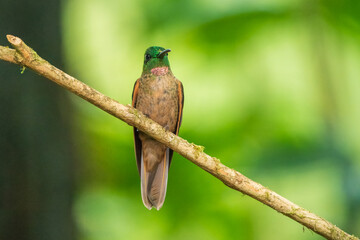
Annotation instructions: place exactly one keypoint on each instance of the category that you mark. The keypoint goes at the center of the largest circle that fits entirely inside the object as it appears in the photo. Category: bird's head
(156, 61)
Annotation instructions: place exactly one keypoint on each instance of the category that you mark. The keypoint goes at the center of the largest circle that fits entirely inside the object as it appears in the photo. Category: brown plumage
(158, 95)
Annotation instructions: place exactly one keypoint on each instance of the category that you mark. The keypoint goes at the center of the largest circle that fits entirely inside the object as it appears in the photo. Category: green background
(271, 88)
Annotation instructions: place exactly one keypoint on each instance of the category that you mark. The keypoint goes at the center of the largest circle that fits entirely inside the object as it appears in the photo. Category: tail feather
(154, 181)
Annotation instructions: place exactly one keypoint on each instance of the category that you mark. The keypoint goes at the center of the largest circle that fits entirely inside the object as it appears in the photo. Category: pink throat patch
(158, 71)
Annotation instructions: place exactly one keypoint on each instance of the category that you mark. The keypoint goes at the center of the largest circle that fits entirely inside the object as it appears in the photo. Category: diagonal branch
(25, 56)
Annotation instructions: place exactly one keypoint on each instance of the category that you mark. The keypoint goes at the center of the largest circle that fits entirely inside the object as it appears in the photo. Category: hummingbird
(159, 96)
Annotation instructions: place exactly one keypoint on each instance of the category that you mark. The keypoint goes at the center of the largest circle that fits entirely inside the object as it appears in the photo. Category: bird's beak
(163, 53)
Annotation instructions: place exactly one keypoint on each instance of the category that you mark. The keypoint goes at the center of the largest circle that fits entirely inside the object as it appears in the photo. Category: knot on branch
(24, 54)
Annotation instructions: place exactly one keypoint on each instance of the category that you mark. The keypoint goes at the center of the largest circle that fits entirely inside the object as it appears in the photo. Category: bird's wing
(181, 105)
(180, 111)
(136, 132)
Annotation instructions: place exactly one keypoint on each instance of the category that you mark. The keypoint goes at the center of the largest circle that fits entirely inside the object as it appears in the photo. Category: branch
(25, 56)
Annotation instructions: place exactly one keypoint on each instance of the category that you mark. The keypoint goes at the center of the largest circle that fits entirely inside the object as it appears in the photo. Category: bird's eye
(147, 57)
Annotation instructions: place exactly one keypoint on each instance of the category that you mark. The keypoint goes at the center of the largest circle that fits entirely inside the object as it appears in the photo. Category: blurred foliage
(271, 88)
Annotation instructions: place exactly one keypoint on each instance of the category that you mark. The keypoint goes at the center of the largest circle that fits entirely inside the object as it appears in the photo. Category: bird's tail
(154, 175)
